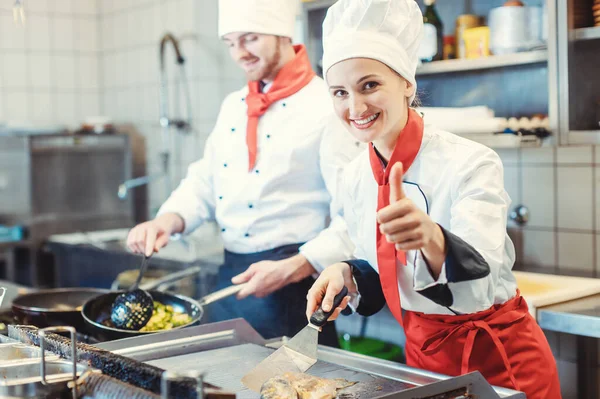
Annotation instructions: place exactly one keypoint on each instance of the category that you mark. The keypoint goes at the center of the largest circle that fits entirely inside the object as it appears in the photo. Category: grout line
(594, 214)
(556, 206)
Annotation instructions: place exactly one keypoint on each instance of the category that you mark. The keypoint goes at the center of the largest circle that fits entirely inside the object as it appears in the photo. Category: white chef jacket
(286, 198)
(459, 183)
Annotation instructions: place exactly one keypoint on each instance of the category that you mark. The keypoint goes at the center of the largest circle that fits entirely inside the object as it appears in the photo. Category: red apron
(504, 343)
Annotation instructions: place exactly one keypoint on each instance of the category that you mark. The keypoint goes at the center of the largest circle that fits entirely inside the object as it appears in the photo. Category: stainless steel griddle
(226, 351)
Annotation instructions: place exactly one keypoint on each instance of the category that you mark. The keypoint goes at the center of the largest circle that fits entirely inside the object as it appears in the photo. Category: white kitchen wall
(561, 188)
(49, 67)
(129, 43)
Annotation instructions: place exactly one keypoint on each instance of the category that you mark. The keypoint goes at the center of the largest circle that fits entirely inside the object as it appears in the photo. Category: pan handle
(168, 376)
(223, 293)
(42, 335)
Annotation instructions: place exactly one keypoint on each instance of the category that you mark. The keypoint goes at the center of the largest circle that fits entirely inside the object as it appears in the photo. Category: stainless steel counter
(227, 351)
(578, 317)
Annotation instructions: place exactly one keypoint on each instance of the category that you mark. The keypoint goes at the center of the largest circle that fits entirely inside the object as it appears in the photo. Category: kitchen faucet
(182, 125)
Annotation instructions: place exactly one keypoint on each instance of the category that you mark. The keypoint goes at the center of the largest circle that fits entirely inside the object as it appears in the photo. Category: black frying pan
(62, 306)
(54, 307)
(96, 311)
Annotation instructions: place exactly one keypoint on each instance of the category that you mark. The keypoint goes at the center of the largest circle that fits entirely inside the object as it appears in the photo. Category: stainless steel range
(226, 351)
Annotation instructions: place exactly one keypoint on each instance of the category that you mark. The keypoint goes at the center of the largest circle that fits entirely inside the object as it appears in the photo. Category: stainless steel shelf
(495, 61)
(317, 4)
(587, 33)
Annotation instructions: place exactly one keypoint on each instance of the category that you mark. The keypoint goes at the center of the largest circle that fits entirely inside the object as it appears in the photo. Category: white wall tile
(11, 35)
(109, 70)
(597, 187)
(63, 38)
(16, 105)
(106, 6)
(39, 32)
(537, 155)
(133, 67)
(206, 13)
(172, 17)
(15, 69)
(89, 105)
(538, 248)
(150, 104)
(63, 71)
(207, 60)
(85, 7)
(575, 187)
(40, 70)
(597, 254)
(159, 25)
(63, 6)
(576, 252)
(86, 34)
(186, 20)
(2, 113)
(66, 109)
(145, 25)
(88, 71)
(508, 156)
(120, 31)
(42, 107)
(107, 33)
(108, 103)
(37, 6)
(538, 195)
(121, 69)
(576, 155)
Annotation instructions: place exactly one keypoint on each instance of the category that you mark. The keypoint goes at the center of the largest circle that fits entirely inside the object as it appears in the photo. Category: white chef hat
(270, 17)
(388, 31)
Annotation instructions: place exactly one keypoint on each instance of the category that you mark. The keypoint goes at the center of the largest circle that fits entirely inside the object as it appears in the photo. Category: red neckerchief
(406, 150)
(290, 79)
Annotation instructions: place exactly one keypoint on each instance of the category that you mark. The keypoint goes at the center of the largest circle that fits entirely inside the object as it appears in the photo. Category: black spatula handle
(319, 318)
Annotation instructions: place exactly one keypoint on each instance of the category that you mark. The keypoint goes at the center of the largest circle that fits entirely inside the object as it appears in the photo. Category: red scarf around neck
(289, 80)
(406, 150)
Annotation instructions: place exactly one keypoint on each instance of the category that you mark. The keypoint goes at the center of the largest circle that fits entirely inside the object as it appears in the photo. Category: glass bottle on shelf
(432, 44)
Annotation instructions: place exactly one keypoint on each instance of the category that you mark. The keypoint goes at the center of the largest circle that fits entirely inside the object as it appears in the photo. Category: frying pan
(62, 306)
(96, 311)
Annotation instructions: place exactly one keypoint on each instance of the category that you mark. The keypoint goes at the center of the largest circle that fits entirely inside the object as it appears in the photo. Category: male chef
(269, 171)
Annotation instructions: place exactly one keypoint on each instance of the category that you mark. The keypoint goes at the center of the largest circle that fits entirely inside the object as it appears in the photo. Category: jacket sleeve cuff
(371, 294)
(191, 220)
(322, 251)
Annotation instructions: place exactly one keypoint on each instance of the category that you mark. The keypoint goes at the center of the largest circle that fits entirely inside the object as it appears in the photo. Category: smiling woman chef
(426, 211)
(266, 176)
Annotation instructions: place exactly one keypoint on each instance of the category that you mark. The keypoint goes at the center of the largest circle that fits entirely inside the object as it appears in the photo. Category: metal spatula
(298, 354)
(131, 310)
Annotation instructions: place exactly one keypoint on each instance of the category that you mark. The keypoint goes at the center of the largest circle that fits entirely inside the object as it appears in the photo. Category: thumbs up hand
(396, 175)
(402, 222)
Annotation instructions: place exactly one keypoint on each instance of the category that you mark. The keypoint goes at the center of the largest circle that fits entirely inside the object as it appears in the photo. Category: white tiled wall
(49, 67)
(130, 32)
(561, 187)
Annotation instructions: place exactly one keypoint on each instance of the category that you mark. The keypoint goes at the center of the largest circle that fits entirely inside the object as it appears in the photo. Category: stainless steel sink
(24, 379)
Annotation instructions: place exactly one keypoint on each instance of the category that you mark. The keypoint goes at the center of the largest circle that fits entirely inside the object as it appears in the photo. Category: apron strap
(437, 341)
